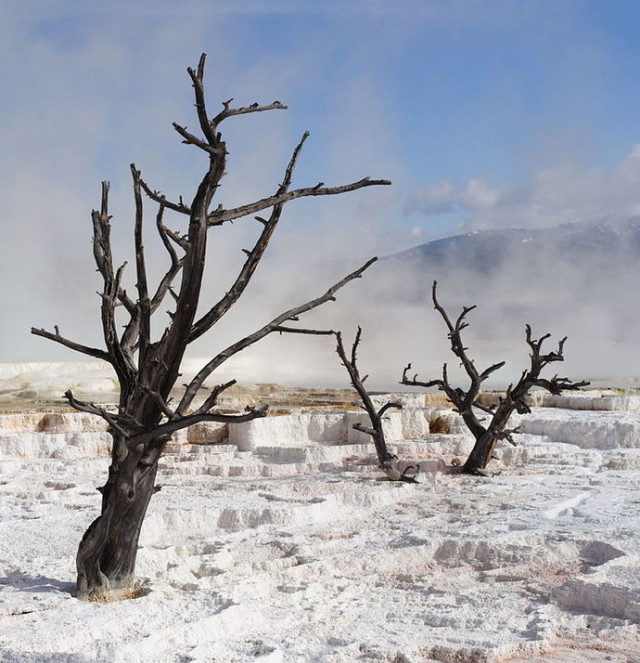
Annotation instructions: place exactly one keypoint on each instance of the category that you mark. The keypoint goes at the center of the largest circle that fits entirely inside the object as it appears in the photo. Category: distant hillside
(577, 254)
(584, 245)
(581, 277)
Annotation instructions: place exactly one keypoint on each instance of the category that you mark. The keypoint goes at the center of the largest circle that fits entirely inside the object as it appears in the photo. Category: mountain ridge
(486, 250)
(579, 279)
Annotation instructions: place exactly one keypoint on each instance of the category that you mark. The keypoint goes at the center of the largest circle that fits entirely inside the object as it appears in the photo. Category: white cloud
(479, 195)
(436, 198)
(550, 197)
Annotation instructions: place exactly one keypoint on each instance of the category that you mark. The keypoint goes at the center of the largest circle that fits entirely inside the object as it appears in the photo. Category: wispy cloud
(550, 197)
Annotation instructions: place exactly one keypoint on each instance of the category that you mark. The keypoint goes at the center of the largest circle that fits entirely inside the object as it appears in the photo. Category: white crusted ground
(283, 543)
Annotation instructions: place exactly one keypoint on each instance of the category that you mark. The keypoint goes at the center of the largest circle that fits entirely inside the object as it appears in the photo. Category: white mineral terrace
(279, 541)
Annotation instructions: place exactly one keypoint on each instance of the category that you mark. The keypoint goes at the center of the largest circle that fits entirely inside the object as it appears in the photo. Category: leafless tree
(376, 415)
(148, 369)
(488, 433)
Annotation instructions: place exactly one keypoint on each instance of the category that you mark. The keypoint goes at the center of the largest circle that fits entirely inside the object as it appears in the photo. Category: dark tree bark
(148, 369)
(487, 434)
(376, 415)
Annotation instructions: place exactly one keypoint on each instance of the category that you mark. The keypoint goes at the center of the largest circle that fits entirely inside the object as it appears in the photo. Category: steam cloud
(91, 92)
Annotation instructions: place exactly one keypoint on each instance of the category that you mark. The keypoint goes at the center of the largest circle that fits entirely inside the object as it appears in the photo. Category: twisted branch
(273, 326)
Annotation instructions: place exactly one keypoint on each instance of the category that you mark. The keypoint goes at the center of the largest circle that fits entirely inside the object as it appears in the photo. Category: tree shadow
(39, 584)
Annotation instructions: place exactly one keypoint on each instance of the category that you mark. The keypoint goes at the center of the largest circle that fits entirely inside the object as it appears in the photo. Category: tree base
(135, 590)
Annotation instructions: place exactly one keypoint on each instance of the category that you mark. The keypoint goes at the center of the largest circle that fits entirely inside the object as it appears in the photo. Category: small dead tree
(376, 415)
(487, 434)
(148, 369)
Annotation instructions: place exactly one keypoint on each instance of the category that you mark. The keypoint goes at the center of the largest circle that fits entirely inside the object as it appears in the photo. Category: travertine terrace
(280, 541)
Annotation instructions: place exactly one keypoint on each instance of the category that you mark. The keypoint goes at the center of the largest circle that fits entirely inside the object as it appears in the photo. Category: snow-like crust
(280, 541)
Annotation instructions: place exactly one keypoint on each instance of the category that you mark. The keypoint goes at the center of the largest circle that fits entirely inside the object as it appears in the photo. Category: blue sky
(484, 114)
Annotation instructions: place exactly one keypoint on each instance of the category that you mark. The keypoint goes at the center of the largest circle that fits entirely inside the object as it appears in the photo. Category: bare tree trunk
(107, 553)
(480, 454)
(486, 440)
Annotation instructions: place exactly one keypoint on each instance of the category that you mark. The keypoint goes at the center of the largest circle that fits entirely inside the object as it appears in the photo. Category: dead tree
(488, 433)
(148, 369)
(376, 415)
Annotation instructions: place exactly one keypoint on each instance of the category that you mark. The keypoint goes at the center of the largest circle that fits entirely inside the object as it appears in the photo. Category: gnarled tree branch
(253, 258)
(274, 326)
(72, 345)
(220, 216)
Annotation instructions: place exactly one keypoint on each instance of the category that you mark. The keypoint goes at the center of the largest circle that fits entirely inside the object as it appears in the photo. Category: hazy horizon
(483, 114)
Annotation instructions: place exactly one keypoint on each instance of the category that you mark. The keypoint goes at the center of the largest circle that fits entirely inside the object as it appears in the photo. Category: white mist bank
(33, 381)
(47, 381)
